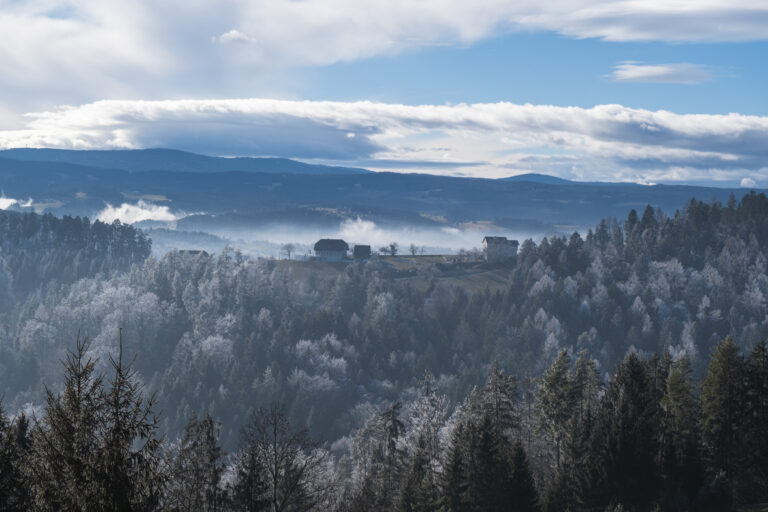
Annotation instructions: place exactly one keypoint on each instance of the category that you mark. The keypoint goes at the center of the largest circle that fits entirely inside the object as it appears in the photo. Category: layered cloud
(77, 50)
(606, 142)
(678, 73)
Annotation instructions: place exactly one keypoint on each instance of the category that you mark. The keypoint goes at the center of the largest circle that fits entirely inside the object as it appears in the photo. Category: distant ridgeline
(35, 249)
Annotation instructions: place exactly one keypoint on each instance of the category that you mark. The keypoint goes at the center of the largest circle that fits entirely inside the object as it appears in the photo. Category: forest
(623, 369)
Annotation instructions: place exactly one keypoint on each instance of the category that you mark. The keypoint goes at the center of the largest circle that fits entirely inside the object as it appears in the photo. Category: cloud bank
(605, 142)
(131, 213)
(149, 49)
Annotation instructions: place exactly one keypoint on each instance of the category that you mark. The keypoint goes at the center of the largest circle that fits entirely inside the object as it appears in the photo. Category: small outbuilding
(497, 249)
(331, 249)
(361, 252)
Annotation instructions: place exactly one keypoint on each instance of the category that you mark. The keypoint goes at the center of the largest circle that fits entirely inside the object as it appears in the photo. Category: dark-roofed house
(361, 252)
(497, 249)
(331, 249)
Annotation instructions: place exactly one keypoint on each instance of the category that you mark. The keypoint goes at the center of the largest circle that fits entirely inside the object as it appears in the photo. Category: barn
(331, 249)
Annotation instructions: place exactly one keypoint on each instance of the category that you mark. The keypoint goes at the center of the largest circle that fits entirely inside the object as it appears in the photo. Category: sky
(645, 91)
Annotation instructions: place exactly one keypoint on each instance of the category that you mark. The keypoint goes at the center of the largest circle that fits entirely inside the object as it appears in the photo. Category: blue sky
(647, 91)
(548, 68)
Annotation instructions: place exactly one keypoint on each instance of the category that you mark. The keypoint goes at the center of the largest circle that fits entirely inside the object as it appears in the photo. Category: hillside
(136, 160)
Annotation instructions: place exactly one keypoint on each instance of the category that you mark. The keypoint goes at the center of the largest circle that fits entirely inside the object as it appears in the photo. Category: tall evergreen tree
(394, 456)
(454, 479)
(499, 397)
(525, 497)
(755, 452)
(627, 420)
(721, 401)
(555, 401)
(680, 463)
(130, 472)
(14, 488)
(64, 470)
(418, 492)
(489, 471)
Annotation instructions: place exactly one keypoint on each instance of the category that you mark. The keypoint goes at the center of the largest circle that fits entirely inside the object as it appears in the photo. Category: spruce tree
(498, 399)
(627, 417)
(64, 466)
(680, 462)
(14, 489)
(393, 453)
(489, 472)
(454, 479)
(525, 497)
(555, 401)
(418, 492)
(721, 397)
(130, 473)
(755, 452)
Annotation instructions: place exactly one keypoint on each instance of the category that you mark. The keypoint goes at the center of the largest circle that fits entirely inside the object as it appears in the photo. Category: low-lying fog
(270, 240)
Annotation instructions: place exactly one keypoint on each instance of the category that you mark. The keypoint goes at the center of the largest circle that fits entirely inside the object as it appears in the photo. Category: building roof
(361, 251)
(499, 240)
(331, 244)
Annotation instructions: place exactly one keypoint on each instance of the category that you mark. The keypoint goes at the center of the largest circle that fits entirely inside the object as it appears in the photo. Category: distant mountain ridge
(142, 160)
(244, 199)
(538, 178)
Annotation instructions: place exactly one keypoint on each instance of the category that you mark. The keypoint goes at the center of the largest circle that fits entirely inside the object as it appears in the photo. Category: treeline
(646, 440)
(36, 249)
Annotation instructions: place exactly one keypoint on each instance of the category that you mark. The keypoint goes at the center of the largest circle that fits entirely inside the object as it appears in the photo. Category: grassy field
(426, 271)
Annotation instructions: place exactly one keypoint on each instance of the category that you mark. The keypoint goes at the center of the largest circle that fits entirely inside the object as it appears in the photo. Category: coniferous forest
(625, 369)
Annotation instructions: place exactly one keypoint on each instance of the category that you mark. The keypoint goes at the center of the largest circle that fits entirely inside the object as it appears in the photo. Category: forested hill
(35, 249)
(226, 333)
(625, 370)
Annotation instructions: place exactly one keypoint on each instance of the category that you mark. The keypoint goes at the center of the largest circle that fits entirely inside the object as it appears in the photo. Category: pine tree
(680, 463)
(489, 472)
(721, 393)
(525, 497)
(196, 469)
(498, 398)
(64, 469)
(393, 454)
(585, 381)
(418, 492)
(755, 453)
(627, 417)
(130, 475)
(14, 489)
(454, 479)
(555, 401)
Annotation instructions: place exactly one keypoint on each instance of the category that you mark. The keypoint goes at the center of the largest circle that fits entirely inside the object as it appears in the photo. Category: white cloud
(6, 202)
(131, 213)
(235, 36)
(485, 139)
(748, 183)
(71, 52)
(678, 73)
